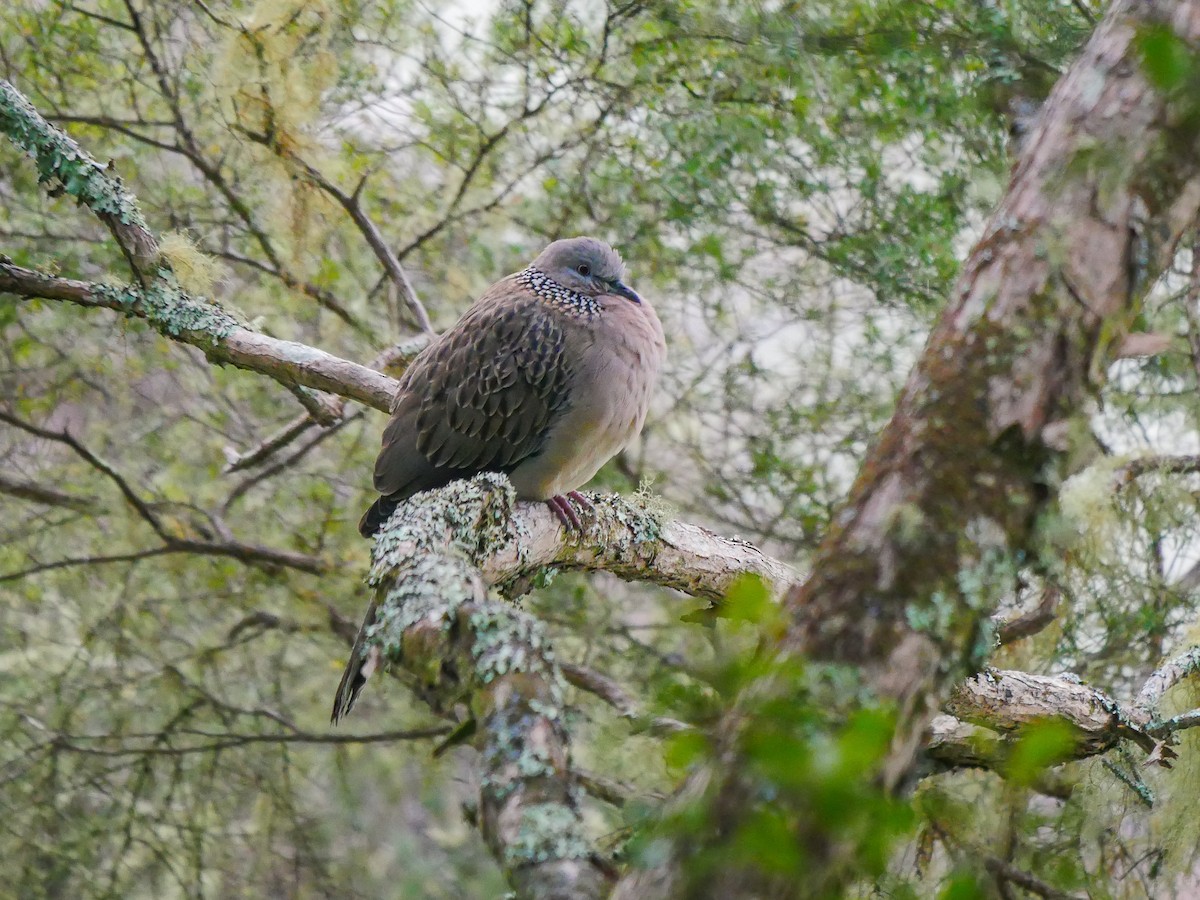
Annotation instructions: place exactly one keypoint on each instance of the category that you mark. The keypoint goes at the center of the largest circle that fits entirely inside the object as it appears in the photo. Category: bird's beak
(623, 290)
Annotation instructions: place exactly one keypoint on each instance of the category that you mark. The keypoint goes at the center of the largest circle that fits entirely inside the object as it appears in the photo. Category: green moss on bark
(58, 158)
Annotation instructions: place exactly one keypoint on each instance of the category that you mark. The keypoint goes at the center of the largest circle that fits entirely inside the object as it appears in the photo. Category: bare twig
(389, 358)
(1031, 621)
(40, 493)
(268, 446)
(251, 554)
(160, 744)
(75, 561)
(240, 489)
(131, 496)
(370, 231)
(612, 693)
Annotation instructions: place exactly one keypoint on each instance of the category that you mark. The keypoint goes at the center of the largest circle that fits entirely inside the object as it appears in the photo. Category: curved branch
(436, 567)
(633, 542)
(175, 315)
(434, 618)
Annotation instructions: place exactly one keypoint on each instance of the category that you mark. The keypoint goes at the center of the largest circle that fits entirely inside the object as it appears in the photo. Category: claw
(586, 504)
(565, 512)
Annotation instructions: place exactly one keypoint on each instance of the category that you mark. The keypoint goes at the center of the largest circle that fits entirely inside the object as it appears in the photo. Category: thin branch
(240, 489)
(1002, 870)
(1006, 871)
(267, 447)
(40, 493)
(370, 232)
(218, 741)
(223, 339)
(387, 359)
(252, 554)
(138, 505)
(1031, 621)
(609, 790)
(612, 693)
(276, 269)
(74, 561)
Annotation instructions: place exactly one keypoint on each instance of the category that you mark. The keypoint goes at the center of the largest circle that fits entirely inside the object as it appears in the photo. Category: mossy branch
(60, 159)
(157, 297)
(436, 620)
(438, 569)
(224, 340)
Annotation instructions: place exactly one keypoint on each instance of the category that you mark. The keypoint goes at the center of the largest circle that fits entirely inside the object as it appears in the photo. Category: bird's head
(586, 266)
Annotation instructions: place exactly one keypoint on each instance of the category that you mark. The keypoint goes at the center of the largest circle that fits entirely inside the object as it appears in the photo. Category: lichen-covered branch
(157, 297)
(633, 541)
(1008, 701)
(435, 620)
(439, 566)
(180, 317)
(1166, 677)
(59, 158)
(985, 713)
(624, 537)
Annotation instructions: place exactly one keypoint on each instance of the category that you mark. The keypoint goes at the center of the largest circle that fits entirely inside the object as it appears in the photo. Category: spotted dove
(544, 378)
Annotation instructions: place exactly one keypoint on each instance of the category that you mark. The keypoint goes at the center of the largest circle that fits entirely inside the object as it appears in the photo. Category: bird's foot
(565, 512)
(585, 504)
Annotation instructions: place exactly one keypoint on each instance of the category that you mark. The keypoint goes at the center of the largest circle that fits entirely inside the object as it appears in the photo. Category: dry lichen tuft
(196, 271)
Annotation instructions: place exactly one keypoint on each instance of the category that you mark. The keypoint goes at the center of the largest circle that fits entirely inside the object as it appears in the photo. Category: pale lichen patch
(547, 831)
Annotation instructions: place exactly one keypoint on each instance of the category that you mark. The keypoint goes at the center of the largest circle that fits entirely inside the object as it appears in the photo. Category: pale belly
(603, 418)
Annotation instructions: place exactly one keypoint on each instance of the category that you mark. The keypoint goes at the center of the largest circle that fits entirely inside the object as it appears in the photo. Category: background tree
(794, 187)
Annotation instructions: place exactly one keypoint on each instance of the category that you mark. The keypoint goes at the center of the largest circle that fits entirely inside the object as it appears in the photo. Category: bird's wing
(481, 398)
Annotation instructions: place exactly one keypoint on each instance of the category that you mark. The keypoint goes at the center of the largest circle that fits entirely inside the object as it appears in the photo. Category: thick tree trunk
(946, 505)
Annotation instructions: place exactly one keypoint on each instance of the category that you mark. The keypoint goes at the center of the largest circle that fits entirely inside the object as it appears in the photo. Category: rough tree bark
(954, 487)
(955, 483)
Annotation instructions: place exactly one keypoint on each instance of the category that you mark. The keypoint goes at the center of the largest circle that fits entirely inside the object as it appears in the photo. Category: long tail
(358, 670)
(377, 513)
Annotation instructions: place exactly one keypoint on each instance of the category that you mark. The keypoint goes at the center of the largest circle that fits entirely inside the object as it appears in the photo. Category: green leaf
(1167, 60)
(963, 886)
(1041, 746)
(748, 600)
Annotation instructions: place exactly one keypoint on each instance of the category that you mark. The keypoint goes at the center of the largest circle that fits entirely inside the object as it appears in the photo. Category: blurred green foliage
(792, 184)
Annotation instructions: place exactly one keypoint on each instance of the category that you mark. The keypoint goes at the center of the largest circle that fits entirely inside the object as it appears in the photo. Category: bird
(545, 378)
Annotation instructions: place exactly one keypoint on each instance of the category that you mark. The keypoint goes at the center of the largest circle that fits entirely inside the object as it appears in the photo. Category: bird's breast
(616, 367)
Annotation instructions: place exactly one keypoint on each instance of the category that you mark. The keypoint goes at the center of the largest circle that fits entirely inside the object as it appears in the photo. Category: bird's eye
(583, 269)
